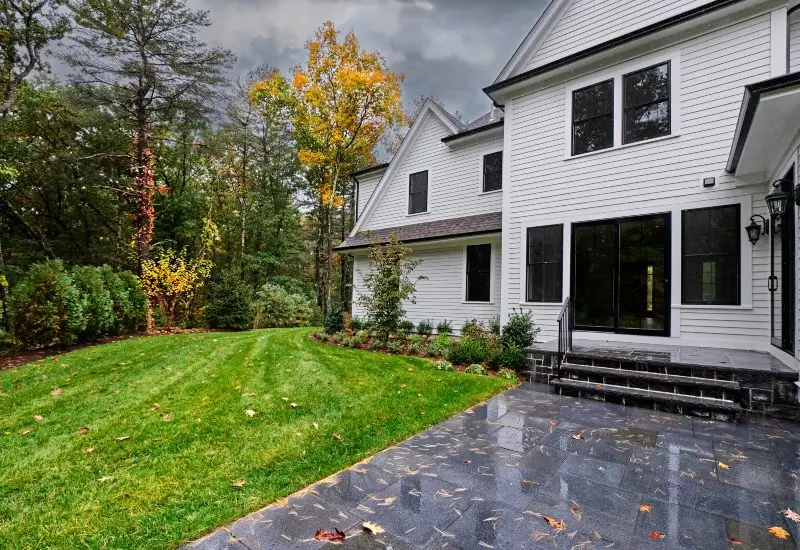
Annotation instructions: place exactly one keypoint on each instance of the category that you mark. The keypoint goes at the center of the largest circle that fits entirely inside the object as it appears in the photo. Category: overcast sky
(446, 48)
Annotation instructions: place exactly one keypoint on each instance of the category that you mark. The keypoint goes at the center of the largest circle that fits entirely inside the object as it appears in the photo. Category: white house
(630, 147)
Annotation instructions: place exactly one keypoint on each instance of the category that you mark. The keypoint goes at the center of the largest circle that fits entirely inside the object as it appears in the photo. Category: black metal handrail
(565, 328)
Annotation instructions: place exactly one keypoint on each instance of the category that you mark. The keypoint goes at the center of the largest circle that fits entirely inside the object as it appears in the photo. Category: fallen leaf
(38, 418)
(294, 405)
(105, 478)
(373, 528)
(792, 515)
(779, 532)
(316, 426)
(56, 392)
(336, 537)
(387, 501)
(576, 510)
(736, 541)
(239, 483)
(723, 466)
(577, 437)
(403, 385)
(166, 417)
(555, 524)
(25, 432)
(336, 436)
(285, 398)
(83, 431)
(645, 508)
(656, 536)
(529, 482)
(156, 406)
(250, 413)
(410, 369)
(88, 450)
(122, 438)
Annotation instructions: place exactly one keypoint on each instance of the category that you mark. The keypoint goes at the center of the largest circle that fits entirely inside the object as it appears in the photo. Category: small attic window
(493, 172)
(418, 193)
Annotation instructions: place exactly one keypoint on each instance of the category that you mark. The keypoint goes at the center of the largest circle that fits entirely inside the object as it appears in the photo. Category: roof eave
(474, 131)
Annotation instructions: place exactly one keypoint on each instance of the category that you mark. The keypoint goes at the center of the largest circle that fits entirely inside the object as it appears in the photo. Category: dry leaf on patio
(723, 466)
(576, 510)
(645, 508)
(250, 413)
(578, 437)
(656, 536)
(555, 524)
(239, 483)
(56, 392)
(38, 418)
(792, 515)
(779, 532)
(736, 542)
(122, 438)
(83, 431)
(373, 528)
(335, 537)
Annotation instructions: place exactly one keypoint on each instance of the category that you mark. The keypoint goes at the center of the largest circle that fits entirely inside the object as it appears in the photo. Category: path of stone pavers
(488, 477)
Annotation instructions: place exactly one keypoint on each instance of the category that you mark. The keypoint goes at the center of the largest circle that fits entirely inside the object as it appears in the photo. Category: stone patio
(488, 477)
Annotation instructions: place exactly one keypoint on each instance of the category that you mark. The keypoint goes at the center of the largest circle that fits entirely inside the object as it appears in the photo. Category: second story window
(418, 193)
(646, 104)
(593, 118)
(493, 172)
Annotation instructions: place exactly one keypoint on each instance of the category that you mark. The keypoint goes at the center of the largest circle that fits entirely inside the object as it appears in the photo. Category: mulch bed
(12, 359)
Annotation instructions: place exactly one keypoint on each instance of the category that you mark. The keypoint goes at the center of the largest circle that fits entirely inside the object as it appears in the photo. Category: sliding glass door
(620, 275)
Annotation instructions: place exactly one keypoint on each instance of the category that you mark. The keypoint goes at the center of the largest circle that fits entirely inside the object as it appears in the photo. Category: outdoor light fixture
(754, 230)
(778, 200)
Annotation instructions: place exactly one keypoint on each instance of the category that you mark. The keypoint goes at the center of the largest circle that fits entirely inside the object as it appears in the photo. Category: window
(593, 118)
(418, 192)
(545, 263)
(479, 273)
(646, 104)
(493, 172)
(711, 256)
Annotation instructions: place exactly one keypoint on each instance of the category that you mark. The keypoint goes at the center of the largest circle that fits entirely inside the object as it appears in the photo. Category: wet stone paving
(531, 469)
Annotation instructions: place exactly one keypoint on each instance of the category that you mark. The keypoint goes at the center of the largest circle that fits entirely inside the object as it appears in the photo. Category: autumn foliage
(171, 281)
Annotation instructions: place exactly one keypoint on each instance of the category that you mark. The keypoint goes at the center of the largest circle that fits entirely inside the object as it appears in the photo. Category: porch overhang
(468, 226)
(769, 120)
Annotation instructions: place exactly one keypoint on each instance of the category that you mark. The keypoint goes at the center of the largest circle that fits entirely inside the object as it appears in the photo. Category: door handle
(772, 283)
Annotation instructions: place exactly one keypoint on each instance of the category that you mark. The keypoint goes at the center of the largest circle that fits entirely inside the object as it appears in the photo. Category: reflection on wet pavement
(530, 469)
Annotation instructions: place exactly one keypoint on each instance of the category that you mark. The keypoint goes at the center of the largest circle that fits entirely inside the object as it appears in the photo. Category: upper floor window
(493, 172)
(418, 193)
(646, 104)
(545, 263)
(711, 250)
(593, 118)
(479, 273)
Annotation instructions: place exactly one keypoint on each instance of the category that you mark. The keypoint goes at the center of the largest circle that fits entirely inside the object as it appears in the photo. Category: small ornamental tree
(388, 284)
(171, 280)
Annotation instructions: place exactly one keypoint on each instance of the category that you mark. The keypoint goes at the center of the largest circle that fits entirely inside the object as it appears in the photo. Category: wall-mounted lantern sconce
(755, 230)
(778, 200)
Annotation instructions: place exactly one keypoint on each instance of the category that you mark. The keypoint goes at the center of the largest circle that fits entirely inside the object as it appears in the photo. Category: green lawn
(180, 401)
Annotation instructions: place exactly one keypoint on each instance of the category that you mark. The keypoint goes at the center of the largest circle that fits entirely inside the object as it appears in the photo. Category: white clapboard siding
(366, 186)
(454, 180)
(660, 176)
(794, 41)
(441, 295)
(587, 23)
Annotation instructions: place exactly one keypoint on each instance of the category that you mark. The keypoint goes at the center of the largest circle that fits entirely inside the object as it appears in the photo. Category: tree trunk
(143, 217)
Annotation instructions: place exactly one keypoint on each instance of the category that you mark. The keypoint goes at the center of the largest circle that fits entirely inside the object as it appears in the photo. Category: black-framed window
(493, 172)
(711, 256)
(593, 118)
(479, 273)
(418, 192)
(545, 263)
(646, 103)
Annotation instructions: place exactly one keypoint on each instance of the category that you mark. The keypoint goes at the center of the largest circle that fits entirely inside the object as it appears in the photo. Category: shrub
(338, 338)
(508, 374)
(442, 344)
(275, 307)
(320, 335)
(416, 339)
(509, 356)
(406, 326)
(395, 347)
(98, 308)
(292, 285)
(171, 280)
(134, 313)
(472, 328)
(350, 342)
(494, 325)
(433, 351)
(334, 319)
(476, 369)
(443, 365)
(361, 337)
(376, 345)
(468, 351)
(425, 327)
(415, 348)
(229, 304)
(357, 324)
(444, 327)
(46, 307)
(520, 330)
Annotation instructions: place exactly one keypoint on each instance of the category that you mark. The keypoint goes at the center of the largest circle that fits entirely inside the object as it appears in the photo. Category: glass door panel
(594, 265)
(782, 283)
(643, 274)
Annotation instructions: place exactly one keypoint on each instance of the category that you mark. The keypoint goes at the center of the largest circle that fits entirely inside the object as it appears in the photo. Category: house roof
(369, 170)
(489, 121)
(428, 231)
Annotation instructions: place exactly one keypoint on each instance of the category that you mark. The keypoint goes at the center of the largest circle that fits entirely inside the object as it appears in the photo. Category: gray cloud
(447, 48)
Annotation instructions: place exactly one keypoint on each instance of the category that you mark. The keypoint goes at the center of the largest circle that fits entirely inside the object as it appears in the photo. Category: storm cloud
(446, 48)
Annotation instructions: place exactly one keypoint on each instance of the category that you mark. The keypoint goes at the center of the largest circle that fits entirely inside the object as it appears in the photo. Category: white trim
(492, 270)
(506, 204)
(429, 108)
(779, 41)
(482, 174)
(616, 74)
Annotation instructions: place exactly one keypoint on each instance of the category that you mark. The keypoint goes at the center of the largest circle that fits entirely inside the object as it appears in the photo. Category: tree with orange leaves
(340, 104)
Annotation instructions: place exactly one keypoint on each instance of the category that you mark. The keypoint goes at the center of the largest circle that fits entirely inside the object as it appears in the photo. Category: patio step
(623, 374)
(637, 396)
